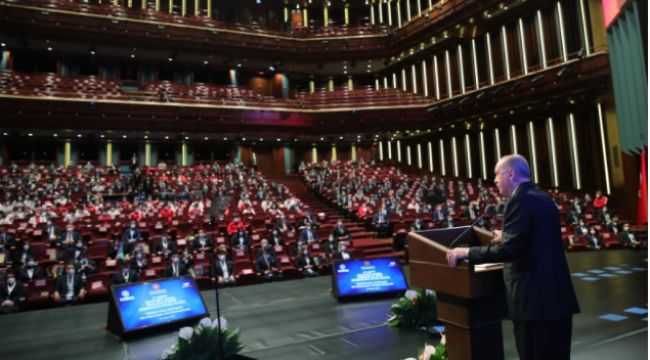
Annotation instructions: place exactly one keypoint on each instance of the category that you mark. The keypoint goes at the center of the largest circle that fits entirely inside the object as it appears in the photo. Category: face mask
(222, 257)
(175, 260)
(79, 246)
(343, 249)
(71, 272)
(26, 247)
(11, 281)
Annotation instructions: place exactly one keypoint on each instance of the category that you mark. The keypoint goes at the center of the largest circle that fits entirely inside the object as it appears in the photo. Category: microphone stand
(452, 244)
(213, 222)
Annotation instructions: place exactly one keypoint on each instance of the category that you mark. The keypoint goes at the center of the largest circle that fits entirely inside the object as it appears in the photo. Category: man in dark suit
(165, 246)
(69, 287)
(627, 238)
(175, 268)
(202, 242)
(53, 234)
(11, 295)
(222, 270)
(266, 266)
(70, 236)
(125, 276)
(539, 293)
(132, 234)
(340, 232)
(30, 271)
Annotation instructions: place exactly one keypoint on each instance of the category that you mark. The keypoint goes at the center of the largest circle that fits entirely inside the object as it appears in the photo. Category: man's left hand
(455, 256)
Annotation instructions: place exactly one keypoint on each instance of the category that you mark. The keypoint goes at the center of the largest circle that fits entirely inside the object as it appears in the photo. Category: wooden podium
(470, 303)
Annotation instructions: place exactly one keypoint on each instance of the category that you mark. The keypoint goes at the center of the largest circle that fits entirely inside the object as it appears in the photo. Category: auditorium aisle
(363, 241)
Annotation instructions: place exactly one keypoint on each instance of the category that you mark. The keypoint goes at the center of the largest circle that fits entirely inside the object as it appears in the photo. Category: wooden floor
(300, 320)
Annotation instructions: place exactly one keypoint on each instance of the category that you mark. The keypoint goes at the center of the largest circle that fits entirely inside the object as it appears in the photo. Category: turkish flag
(642, 211)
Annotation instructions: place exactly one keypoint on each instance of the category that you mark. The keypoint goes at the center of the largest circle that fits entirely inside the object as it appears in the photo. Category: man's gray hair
(518, 165)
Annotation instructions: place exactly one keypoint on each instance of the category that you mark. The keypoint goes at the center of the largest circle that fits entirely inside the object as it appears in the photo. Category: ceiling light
(166, 137)
(205, 138)
(243, 139)
(55, 135)
(3, 44)
(278, 139)
(49, 48)
(187, 138)
(101, 136)
(78, 135)
(123, 136)
(132, 56)
(5, 134)
(92, 52)
(146, 137)
(30, 134)
(205, 62)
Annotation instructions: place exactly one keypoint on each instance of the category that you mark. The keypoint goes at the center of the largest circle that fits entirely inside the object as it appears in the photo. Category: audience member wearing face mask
(69, 287)
(12, 293)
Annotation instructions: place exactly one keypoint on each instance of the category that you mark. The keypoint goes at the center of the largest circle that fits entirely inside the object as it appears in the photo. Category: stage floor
(300, 320)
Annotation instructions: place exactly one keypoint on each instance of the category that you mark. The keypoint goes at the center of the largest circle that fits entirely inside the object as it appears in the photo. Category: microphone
(453, 242)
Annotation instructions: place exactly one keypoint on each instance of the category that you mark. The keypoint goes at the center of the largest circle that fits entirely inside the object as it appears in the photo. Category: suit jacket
(218, 272)
(118, 277)
(261, 265)
(136, 235)
(24, 275)
(62, 285)
(75, 236)
(340, 231)
(235, 241)
(536, 274)
(304, 235)
(16, 294)
(196, 243)
(169, 271)
(171, 246)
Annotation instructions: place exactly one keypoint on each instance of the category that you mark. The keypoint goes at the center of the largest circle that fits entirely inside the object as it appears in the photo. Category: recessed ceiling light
(78, 135)
(55, 135)
(101, 136)
(340, 137)
(30, 134)
(3, 44)
(187, 138)
(321, 139)
(92, 52)
(49, 48)
(225, 139)
(132, 56)
(205, 138)
(205, 62)
(243, 139)
(278, 139)
(5, 134)
(261, 139)
(166, 137)
(146, 137)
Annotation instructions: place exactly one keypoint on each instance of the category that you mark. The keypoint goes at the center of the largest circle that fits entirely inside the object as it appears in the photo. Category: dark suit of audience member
(282, 225)
(202, 242)
(340, 232)
(593, 239)
(275, 239)
(139, 262)
(124, 276)
(572, 218)
(119, 250)
(381, 224)
(132, 235)
(240, 240)
(223, 271)
(165, 247)
(11, 295)
(306, 263)
(69, 289)
(417, 225)
(22, 254)
(267, 267)
(439, 214)
(85, 266)
(68, 238)
(343, 254)
(627, 238)
(6, 241)
(308, 235)
(175, 269)
(331, 246)
(31, 271)
(53, 235)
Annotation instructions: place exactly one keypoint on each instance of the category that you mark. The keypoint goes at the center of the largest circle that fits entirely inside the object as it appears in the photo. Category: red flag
(642, 211)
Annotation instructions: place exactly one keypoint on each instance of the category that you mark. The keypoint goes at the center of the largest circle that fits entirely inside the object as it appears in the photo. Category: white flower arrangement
(202, 341)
